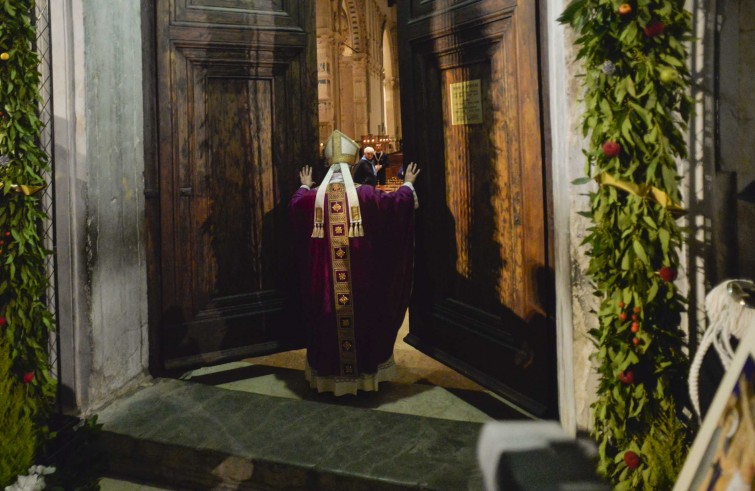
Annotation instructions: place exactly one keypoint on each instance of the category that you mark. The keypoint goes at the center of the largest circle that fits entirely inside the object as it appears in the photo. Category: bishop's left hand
(305, 176)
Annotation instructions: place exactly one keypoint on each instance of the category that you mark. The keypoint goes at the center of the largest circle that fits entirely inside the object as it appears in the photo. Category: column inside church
(358, 71)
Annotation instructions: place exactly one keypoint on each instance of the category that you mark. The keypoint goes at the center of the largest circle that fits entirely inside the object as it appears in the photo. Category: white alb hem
(343, 384)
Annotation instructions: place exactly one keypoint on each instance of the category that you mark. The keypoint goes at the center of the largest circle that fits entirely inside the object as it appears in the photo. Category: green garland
(636, 108)
(25, 321)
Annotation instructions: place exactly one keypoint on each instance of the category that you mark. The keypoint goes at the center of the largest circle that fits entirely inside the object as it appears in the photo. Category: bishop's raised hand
(411, 172)
(305, 176)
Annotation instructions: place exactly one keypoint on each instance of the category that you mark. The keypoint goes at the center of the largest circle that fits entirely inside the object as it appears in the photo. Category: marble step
(186, 435)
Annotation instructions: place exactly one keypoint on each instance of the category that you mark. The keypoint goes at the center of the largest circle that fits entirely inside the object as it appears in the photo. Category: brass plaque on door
(466, 102)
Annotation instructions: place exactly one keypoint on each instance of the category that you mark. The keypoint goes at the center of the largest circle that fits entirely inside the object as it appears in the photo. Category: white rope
(727, 318)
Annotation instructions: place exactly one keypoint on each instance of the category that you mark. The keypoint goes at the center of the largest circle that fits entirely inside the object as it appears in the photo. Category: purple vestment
(380, 273)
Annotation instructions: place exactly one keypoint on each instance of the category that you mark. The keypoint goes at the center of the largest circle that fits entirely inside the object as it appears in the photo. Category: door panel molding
(241, 14)
(454, 12)
(236, 108)
(483, 270)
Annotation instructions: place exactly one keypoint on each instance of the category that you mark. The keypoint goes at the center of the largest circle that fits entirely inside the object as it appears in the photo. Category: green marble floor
(110, 484)
(423, 386)
(418, 399)
(194, 436)
(256, 424)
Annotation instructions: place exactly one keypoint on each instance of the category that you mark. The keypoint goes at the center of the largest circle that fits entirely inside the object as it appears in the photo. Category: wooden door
(236, 118)
(470, 96)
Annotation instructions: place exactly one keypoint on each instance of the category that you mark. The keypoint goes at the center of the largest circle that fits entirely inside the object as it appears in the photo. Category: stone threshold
(186, 435)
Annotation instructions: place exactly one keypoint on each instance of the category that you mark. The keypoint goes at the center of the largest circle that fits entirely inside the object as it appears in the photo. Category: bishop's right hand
(411, 172)
(305, 176)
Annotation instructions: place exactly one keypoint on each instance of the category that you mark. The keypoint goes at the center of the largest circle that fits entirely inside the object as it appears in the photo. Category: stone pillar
(360, 96)
(326, 86)
(376, 113)
(390, 88)
(346, 97)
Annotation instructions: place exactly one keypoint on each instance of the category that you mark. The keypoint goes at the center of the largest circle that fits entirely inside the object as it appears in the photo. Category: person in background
(367, 168)
(354, 296)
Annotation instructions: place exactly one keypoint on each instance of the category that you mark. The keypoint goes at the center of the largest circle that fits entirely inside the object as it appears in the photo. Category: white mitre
(341, 152)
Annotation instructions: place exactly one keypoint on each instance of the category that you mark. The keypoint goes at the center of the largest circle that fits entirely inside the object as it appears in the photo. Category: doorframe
(559, 161)
(69, 154)
(563, 163)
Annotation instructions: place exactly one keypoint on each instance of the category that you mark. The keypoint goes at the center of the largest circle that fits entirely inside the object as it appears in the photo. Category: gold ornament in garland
(636, 106)
(24, 189)
(643, 191)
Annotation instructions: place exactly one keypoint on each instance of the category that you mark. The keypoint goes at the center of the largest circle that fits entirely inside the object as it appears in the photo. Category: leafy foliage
(25, 322)
(16, 429)
(636, 111)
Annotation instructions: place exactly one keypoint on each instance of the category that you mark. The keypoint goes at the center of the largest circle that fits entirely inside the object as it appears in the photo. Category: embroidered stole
(341, 270)
(355, 217)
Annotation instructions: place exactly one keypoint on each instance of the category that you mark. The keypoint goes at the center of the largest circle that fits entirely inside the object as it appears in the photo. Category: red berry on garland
(634, 317)
(28, 377)
(625, 9)
(622, 305)
(622, 316)
(3, 321)
(635, 327)
(636, 310)
(635, 341)
(667, 273)
(7, 234)
(611, 149)
(654, 28)
(631, 459)
(626, 377)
